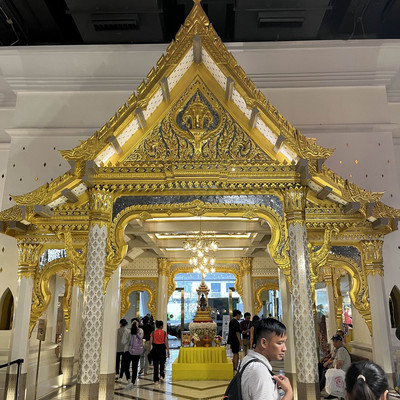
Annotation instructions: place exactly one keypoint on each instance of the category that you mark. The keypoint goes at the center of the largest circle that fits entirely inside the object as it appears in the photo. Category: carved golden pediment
(197, 128)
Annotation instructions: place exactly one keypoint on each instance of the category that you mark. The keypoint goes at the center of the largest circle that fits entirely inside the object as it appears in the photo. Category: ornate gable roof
(197, 103)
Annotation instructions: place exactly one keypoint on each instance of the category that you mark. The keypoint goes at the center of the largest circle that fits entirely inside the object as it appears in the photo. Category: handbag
(335, 385)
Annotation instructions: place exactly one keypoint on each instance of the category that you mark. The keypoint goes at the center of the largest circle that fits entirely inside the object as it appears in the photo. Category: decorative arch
(130, 285)
(261, 284)
(359, 293)
(276, 246)
(6, 310)
(227, 267)
(394, 307)
(41, 294)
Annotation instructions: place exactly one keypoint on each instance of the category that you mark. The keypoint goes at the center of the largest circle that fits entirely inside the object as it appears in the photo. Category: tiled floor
(145, 389)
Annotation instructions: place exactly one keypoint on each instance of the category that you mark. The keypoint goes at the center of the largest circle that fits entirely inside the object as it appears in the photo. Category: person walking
(122, 332)
(135, 349)
(234, 338)
(245, 327)
(160, 351)
(144, 360)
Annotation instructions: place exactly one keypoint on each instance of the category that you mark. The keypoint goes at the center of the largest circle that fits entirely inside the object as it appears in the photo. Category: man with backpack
(255, 380)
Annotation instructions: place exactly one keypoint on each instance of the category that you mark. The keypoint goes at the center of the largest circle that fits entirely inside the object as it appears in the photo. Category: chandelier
(203, 248)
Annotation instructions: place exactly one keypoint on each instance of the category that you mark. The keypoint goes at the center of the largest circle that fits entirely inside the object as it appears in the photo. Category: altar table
(202, 364)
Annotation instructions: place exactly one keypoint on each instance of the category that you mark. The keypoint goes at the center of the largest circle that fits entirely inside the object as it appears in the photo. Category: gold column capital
(246, 265)
(100, 203)
(28, 258)
(163, 267)
(294, 202)
(372, 256)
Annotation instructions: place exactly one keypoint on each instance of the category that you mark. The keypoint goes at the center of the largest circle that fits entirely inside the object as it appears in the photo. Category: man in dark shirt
(245, 326)
(147, 329)
(234, 337)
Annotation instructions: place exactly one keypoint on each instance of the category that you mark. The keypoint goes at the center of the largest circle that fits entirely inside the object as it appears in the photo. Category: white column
(245, 269)
(373, 264)
(28, 263)
(162, 291)
(287, 319)
(109, 336)
(304, 327)
(87, 386)
(69, 342)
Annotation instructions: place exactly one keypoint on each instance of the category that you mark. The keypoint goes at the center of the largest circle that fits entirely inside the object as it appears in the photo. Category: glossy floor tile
(145, 389)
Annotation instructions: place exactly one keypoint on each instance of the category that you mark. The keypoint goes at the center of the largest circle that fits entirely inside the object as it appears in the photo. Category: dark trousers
(159, 358)
(118, 361)
(126, 362)
(135, 362)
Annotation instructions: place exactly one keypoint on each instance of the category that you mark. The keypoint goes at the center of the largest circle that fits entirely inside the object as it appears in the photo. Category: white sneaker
(162, 380)
(129, 386)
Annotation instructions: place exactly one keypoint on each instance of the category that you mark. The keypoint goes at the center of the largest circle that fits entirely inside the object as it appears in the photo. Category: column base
(106, 387)
(87, 391)
(308, 391)
(11, 384)
(67, 370)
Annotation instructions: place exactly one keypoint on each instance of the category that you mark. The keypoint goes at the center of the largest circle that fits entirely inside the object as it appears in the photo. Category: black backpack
(234, 389)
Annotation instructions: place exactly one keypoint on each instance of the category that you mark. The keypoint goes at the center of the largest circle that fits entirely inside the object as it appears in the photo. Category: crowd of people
(143, 343)
(266, 337)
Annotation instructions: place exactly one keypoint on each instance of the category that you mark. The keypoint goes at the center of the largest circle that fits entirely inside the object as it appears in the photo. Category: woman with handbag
(159, 351)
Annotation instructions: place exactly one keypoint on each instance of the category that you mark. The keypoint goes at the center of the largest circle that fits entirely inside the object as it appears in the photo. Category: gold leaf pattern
(197, 127)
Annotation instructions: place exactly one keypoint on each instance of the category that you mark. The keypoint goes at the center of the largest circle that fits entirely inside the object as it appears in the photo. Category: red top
(158, 336)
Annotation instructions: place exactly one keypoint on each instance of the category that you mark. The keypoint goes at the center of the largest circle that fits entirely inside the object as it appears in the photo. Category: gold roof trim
(11, 214)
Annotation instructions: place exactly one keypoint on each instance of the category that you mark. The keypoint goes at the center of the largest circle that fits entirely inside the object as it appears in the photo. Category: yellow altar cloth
(202, 364)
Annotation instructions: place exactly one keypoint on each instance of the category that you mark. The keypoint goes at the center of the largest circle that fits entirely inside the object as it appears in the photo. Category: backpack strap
(249, 362)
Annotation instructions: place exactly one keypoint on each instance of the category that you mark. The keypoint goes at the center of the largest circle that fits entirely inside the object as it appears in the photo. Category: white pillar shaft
(331, 318)
(69, 344)
(20, 332)
(248, 303)
(304, 328)
(162, 299)
(287, 319)
(93, 307)
(380, 326)
(110, 324)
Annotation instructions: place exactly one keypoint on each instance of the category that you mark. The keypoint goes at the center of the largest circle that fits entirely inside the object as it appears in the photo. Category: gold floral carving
(294, 202)
(76, 258)
(42, 195)
(352, 192)
(197, 127)
(359, 292)
(259, 286)
(318, 258)
(246, 265)
(28, 258)
(11, 214)
(130, 285)
(41, 294)
(305, 147)
(163, 267)
(382, 210)
(372, 257)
